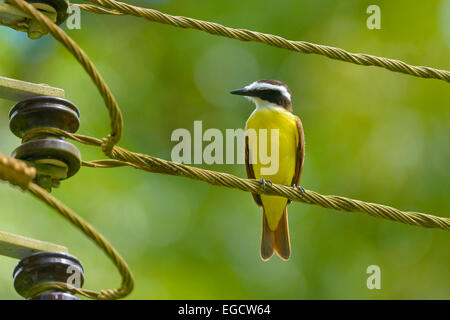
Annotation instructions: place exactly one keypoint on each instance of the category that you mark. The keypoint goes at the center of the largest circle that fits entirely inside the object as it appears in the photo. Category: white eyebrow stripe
(263, 85)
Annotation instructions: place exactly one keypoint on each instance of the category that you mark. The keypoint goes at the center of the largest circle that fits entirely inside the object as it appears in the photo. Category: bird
(272, 99)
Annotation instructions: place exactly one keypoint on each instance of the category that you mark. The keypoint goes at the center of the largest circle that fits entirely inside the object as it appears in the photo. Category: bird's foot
(302, 190)
(263, 182)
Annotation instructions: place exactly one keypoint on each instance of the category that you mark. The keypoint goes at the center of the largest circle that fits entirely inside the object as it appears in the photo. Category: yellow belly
(286, 123)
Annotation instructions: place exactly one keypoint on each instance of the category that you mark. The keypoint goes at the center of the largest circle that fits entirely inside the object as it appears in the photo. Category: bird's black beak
(242, 92)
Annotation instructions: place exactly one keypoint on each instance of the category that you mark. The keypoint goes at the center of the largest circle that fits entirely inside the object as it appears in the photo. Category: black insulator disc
(50, 149)
(45, 267)
(60, 6)
(44, 111)
(54, 296)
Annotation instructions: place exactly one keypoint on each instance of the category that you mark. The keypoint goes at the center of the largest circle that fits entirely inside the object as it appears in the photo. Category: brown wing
(300, 153)
(250, 173)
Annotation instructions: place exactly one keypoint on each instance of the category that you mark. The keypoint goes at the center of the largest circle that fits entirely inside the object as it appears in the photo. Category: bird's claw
(263, 182)
(302, 190)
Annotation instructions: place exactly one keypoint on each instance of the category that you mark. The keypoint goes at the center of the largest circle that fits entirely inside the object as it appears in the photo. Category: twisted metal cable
(116, 121)
(153, 164)
(127, 277)
(17, 173)
(99, 10)
(123, 157)
(121, 8)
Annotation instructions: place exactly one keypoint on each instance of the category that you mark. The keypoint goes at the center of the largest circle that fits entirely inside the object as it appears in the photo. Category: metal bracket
(19, 247)
(13, 17)
(17, 90)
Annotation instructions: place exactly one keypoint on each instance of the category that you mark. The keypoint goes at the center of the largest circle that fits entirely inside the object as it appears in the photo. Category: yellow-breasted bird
(273, 111)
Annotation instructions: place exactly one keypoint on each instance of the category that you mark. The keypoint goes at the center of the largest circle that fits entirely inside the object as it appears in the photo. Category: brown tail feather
(267, 240)
(277, 240)
(282, 243)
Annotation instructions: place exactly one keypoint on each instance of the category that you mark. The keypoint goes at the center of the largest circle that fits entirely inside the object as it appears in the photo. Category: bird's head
(267, 93)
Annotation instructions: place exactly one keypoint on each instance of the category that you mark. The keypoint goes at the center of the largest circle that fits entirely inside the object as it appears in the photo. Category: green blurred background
(371, 134)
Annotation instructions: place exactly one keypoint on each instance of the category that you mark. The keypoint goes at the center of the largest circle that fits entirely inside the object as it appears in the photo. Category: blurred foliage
(371, 134)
